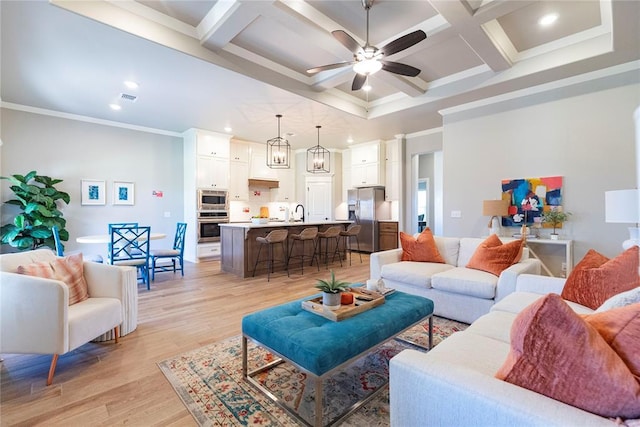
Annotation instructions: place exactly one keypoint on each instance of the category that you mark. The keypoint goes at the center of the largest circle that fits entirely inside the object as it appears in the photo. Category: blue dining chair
(175, 254)
(129, 246)
(60, 247)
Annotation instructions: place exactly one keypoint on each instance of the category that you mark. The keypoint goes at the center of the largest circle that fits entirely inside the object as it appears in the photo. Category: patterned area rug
(209, 382)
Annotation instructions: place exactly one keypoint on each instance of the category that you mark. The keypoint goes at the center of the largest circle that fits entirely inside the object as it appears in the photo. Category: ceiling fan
(369, 59)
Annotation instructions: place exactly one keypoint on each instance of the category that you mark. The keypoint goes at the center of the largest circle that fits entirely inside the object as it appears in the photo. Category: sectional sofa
(455, 385)
(458, 292)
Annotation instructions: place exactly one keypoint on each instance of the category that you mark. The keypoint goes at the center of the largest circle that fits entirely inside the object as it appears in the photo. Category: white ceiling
(214, 63)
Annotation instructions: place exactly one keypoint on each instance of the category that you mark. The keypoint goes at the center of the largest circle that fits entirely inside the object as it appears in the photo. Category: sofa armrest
(378, 259)
(33, 314)
(507, 281)
(424, 391)
(108, 281)
(540, 284)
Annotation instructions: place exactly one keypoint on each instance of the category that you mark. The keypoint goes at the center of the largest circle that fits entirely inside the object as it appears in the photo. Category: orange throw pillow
(494, 257)
(68, 270)
(556, 353)
(422, 249)
(597, 278)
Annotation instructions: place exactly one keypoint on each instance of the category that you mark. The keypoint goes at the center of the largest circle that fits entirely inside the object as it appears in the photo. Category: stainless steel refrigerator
(366, 206)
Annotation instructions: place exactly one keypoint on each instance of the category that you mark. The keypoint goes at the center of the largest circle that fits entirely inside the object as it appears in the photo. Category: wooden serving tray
(345, 311)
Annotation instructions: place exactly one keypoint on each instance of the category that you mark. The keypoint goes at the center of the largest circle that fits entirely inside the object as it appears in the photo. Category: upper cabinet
(239, 152)
(211, 158)
(239, 173)
(286, 191)
(367, 164)
(212, 145)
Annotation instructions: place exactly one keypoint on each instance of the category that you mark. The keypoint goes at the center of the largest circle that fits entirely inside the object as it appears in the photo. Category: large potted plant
(37, 198)
(555, 217)
(331, 291)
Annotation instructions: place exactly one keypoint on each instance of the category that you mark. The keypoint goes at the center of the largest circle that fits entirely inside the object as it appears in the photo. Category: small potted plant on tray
(331, 291)
(555, 217)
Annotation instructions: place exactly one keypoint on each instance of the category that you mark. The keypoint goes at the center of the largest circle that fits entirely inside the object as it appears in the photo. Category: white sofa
(454, 384)
(35, 316)
(458, 293)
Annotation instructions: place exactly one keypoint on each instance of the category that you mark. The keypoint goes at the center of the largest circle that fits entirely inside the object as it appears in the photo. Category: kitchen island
(239, 247)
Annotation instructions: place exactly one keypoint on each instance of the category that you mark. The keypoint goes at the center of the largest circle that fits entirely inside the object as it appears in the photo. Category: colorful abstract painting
(529, 197)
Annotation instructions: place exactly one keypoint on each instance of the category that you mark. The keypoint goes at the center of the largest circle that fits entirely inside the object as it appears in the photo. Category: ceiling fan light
(367, 67)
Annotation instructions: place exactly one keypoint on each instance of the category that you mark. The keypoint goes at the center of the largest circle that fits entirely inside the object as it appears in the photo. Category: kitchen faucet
(296, 211)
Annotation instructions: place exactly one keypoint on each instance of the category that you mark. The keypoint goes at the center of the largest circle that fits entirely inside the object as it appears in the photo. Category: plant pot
(331, 301)
(553, 236)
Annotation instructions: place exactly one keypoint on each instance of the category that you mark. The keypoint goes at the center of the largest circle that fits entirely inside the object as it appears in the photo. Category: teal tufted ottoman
(318, 346)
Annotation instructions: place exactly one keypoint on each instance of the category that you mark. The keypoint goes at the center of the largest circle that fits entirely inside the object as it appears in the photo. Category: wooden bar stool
(272, 239)
(331, 233)
(352, 231)
(307, 235)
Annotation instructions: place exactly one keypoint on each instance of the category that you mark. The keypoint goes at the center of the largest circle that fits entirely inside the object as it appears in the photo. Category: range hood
(268, 183)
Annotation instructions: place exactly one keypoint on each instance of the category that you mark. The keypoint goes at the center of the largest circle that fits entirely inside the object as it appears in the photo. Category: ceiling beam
(225, 20)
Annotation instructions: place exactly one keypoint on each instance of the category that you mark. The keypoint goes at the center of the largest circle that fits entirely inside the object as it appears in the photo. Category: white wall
(74, 150)
(586, 138)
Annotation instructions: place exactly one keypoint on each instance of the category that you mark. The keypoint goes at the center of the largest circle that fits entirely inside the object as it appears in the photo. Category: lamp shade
(621, 206)
(495, 207)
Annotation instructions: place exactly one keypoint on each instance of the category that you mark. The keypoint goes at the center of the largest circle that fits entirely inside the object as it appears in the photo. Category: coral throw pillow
(68, 270)
(494, 257)
(556, 353)
(597, 278)
(422, 249)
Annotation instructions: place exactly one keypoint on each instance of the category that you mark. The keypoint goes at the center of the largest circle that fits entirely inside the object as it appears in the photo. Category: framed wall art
(529, 197)
(123, 193)
(93, 192)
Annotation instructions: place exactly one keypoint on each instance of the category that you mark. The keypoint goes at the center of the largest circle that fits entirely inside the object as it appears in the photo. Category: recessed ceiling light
(366, 88)
(548, 19)
(115, 107)
(349, 140)
(227, 129)
(131, 84)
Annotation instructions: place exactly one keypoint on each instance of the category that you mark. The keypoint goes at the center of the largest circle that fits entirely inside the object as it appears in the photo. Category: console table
(538, 244)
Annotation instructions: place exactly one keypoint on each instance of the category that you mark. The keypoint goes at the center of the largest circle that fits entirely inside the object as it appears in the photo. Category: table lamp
(495, 209)
(621, 206)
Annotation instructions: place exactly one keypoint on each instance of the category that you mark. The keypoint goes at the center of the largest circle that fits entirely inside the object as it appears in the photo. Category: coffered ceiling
(216, 63)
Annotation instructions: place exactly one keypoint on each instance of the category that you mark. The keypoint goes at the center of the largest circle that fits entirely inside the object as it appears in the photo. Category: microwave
(212, 200)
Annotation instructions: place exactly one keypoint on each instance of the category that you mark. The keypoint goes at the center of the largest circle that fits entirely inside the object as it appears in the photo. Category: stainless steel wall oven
(209, 225)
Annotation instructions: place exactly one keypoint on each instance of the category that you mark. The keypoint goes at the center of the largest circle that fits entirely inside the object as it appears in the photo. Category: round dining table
(106, 238)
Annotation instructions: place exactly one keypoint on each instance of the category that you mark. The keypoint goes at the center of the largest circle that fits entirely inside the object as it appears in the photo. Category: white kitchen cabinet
(239, 152)
(212, 172)
(211, 145)
(366, 175)
(238, 183)
(258, 168)
(208, 250)
(286, 192)
(367, 165)
(365, 153)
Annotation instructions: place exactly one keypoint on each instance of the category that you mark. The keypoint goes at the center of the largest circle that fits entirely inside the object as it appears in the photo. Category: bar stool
(352, 231)
(332, 232)
(307, 234)
(271, 239)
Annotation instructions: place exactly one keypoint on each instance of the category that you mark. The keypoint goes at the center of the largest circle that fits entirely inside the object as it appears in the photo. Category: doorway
(319, 204)
(423, 203)
(426, 192)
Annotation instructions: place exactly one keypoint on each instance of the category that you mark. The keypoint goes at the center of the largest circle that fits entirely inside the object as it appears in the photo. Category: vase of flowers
(331, 291)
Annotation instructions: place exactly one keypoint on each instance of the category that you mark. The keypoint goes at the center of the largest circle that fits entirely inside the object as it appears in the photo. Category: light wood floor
(108, 384)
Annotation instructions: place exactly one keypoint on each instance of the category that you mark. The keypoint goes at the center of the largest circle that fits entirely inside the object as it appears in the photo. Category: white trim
(569, 81)
(424, 132)
(45, 112)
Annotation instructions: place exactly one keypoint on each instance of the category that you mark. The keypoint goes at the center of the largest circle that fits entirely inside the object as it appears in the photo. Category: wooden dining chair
(130, 246)
(174, 254)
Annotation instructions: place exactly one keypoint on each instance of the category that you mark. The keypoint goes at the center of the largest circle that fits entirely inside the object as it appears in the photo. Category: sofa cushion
(66, 269)
(449, 248)
(495, 325)
(518, 301)
(466, 281)
(494, 257)
(422, 249)
(556, 353)
(414, 273)
(597, 278)
(468, 246)
(620, 300)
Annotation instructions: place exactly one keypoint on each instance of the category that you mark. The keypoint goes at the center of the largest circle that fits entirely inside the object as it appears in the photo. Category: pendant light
(278, 150)
(318, 157)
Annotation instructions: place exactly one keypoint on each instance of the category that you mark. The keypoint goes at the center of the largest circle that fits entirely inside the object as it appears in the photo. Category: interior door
(319, 201)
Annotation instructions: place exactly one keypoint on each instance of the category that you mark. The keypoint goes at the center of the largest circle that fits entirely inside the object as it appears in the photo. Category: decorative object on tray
(331, 291)
(363, 300)
(555, 217)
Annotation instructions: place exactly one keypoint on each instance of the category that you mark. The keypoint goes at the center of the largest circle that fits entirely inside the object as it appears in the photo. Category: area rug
(209, 382)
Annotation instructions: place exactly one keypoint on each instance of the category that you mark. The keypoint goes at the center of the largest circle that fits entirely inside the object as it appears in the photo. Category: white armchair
(35, 316)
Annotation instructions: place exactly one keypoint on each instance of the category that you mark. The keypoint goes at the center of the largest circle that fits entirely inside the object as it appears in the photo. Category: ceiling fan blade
(358, 82)
(347, 41)
(398, 68)
(329, 67)
(403, 42)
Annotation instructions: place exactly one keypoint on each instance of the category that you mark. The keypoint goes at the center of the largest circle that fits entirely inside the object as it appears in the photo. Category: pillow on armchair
(67, 269)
